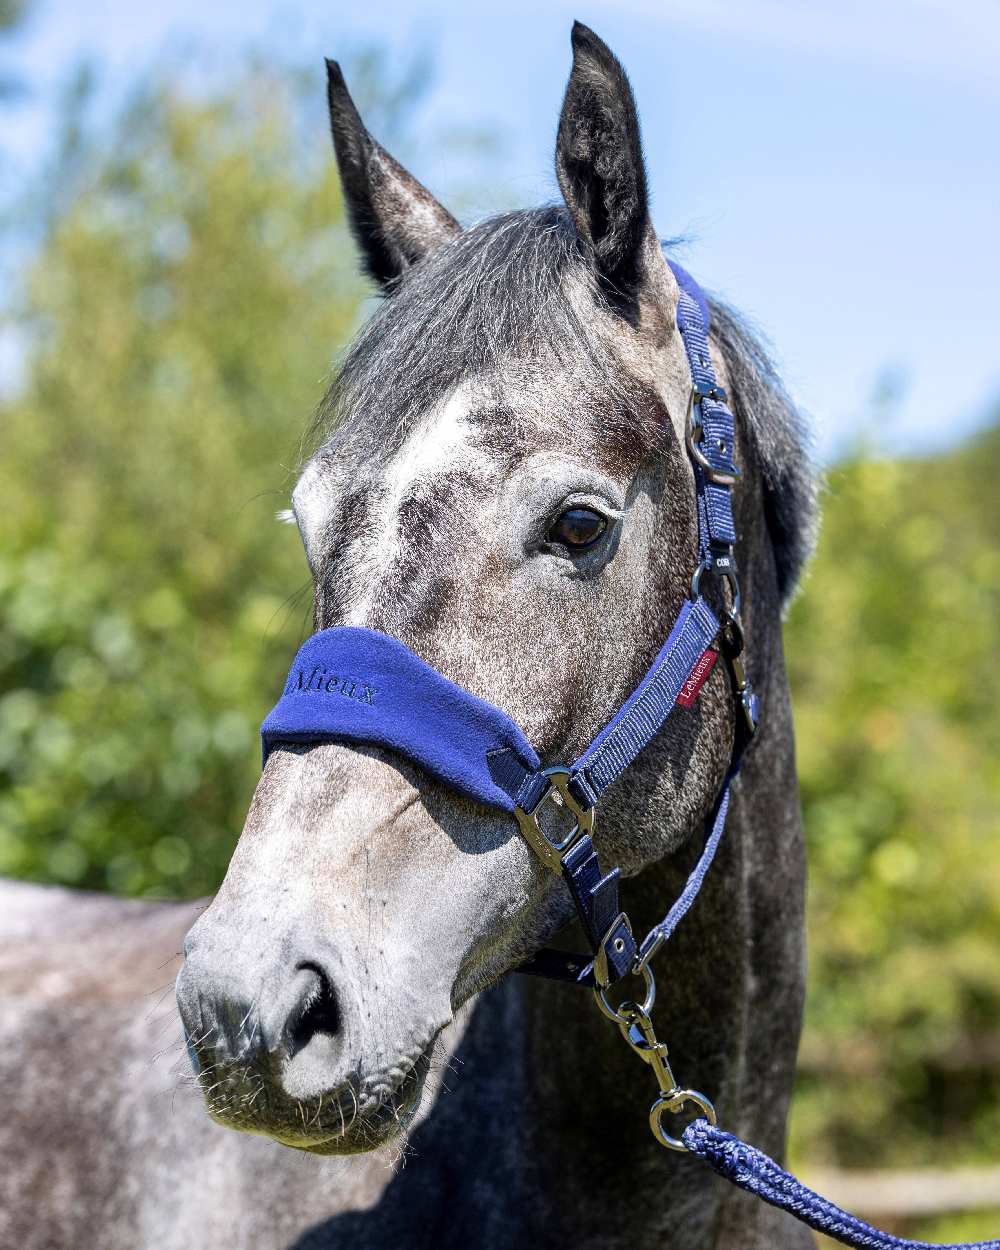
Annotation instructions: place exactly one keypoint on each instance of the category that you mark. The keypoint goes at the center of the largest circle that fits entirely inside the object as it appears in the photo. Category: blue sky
(835, 164)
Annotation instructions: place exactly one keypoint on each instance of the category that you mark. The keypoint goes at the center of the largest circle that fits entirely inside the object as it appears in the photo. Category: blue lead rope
(752, 1170)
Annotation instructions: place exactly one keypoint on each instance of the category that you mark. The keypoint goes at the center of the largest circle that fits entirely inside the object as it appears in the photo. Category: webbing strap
(711, 436)
(714, 422)
(641, 716)
(634, 725)
(717, 827)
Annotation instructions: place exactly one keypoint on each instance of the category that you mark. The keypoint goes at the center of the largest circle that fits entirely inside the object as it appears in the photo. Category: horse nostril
(317, 1012)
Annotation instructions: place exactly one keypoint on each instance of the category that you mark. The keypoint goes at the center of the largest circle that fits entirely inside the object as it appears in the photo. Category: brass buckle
(550, 851)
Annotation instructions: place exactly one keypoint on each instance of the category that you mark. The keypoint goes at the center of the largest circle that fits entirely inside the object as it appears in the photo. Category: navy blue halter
(358, 685)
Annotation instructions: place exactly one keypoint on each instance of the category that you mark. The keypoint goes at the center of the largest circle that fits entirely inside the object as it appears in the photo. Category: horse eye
(578, 528)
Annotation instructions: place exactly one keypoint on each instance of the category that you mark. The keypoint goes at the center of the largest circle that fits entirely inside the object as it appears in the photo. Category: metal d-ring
(673, 1102)
(729, 577)
(612, 1013)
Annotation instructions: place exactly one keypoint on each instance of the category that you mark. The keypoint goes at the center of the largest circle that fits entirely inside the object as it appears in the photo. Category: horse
(501, 483)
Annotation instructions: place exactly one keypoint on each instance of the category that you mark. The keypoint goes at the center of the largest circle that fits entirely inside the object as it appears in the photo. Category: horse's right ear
(394, 219)
(600, 167)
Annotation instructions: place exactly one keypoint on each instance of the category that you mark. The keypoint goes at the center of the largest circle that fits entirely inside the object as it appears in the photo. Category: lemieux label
(322, 681)
(698, 677)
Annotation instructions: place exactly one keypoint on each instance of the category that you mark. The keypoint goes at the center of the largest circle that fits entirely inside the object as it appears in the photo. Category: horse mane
(500, 291)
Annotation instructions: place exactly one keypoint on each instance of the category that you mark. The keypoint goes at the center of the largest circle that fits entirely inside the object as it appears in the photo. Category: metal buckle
(696, 433)
(548, 851)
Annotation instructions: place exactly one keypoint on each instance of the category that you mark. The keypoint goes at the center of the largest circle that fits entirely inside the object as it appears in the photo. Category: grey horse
(501, 483)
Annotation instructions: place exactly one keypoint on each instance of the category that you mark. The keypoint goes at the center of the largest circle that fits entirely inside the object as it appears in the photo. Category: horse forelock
(511, 292)
(495, 346)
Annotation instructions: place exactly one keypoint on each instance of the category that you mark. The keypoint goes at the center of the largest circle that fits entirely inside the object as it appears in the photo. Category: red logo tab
(697, 679)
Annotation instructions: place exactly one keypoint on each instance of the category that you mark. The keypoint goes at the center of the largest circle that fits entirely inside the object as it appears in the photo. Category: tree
(892, 650)
(181, 316)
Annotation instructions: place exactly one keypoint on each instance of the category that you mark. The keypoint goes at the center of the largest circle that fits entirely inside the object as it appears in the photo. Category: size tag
(699, 675)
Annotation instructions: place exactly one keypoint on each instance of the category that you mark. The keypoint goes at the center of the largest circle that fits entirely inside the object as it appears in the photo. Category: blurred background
(176, 281)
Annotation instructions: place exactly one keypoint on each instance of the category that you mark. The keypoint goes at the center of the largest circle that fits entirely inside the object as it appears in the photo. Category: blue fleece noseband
(357, 685)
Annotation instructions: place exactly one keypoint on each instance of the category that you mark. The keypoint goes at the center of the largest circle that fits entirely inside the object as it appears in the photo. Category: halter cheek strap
(358, 685)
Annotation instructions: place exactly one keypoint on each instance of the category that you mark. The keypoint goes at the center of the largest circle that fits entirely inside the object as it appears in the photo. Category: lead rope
(739, 1163)
(754, 1171)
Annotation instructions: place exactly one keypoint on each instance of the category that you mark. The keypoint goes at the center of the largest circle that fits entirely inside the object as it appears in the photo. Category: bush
(892, 651)
(180, 317)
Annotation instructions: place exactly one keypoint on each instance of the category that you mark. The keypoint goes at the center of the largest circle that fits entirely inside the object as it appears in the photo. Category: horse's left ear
(395, 220)
(600, 167)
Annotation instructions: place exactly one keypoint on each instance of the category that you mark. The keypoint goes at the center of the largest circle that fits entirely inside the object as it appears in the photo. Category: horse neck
(729, 1004)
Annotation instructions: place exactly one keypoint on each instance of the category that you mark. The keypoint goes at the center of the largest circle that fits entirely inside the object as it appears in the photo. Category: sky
(833, 165)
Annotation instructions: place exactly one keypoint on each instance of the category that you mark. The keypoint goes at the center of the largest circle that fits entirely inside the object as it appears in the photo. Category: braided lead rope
(752, 1170)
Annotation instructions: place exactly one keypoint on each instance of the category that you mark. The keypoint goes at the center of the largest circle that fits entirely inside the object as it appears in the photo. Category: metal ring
(673, 1103)
(733, 612)
(696, 577)
(734, 590)
(647, 1005)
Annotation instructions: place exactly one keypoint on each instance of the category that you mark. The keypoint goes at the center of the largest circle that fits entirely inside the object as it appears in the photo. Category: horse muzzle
(282, 1045)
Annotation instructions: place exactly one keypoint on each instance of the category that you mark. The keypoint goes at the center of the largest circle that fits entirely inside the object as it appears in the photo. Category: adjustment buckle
(696, 433)
(551, 850)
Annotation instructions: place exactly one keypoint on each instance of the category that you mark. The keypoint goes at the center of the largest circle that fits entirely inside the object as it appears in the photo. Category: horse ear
(600, 167)
(394, 219)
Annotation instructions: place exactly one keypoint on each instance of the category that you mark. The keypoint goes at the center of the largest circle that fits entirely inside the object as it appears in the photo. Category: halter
(358, 685)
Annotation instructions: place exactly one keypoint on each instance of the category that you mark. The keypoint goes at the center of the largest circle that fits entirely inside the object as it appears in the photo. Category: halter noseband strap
(358, 685)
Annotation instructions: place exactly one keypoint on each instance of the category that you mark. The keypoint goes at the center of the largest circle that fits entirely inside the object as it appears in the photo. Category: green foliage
(192, 282)
(892, 650)
(182, 312)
